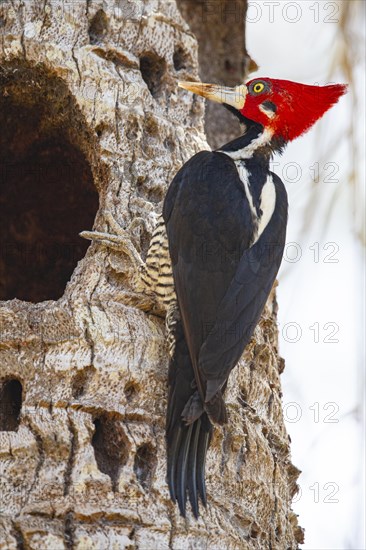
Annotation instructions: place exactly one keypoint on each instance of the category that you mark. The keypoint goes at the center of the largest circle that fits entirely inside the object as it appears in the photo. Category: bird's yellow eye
(258, 87)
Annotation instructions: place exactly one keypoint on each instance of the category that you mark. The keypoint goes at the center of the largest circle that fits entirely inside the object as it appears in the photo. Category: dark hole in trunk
(47, 194)
(111, 447)
(10, 405)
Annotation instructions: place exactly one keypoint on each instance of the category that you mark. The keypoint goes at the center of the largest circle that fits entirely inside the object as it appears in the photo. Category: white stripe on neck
(247, 152)
(267, 201)
(244, 176)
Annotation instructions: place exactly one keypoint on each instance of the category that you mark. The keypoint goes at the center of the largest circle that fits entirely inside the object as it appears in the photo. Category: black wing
(240, 309)
(209, 226)
(222, 285)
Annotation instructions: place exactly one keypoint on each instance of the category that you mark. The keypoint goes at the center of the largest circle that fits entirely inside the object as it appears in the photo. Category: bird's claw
(116, 242)
(119, 240)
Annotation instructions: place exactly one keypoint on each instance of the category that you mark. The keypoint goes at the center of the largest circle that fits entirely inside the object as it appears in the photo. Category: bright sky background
(321, 295)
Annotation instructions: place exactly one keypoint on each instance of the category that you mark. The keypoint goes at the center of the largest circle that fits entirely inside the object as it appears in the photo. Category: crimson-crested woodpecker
(225, 216)
(213, 259)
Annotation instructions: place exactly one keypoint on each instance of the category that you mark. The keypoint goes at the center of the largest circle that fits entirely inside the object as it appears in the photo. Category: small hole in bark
(180, 59)
(10, 405)
(152, 69)
(254, 531)
(80, 381)
(131, 390)
(47, 189)
(100, 129)
(144, 464)
(111, 447)
(98, 27)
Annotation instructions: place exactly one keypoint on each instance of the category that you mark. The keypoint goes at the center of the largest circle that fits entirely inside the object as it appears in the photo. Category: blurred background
(321, 294)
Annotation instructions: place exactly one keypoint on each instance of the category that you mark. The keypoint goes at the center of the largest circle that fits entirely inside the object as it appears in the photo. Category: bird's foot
(118, 239)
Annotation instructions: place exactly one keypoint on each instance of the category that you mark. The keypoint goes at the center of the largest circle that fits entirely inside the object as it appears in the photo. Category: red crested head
(285, 109)
(288, 109)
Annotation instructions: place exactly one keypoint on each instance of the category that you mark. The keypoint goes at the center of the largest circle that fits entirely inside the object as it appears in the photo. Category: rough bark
(219, 26)
(89, 96)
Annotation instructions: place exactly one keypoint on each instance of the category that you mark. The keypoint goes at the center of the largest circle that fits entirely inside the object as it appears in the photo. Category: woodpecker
(225, 215)
(213, 258)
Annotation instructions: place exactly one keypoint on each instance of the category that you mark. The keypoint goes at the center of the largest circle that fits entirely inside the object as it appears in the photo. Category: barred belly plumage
(158, 277)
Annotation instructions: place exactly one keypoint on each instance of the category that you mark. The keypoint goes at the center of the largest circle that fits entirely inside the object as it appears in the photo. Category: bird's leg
(120, 240)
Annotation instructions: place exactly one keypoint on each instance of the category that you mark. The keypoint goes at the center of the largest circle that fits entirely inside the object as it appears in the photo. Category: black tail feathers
(189, 428)
(188, 431)
(187, 448)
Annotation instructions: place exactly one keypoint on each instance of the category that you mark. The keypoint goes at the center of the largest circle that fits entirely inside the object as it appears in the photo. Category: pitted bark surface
(82, 456)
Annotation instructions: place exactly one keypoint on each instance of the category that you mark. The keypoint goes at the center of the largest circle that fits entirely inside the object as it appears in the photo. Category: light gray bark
(219, 26)
(83, 466)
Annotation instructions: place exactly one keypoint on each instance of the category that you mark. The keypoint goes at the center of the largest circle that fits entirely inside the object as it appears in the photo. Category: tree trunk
(92, 122)
(219, 26)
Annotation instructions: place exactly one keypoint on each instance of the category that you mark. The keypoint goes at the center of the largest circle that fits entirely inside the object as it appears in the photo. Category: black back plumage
(222, 283)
